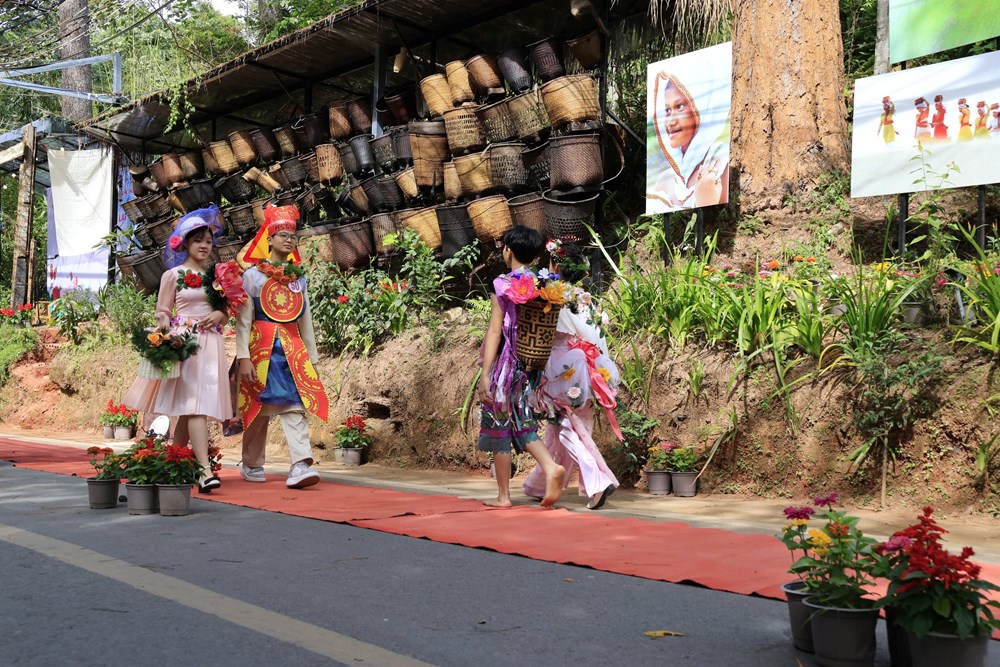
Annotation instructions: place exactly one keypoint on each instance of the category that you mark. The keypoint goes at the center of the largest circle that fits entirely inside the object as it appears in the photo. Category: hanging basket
(266, 143)
(236, 189)
(243, 147)
(513, 64)
(429, 144)
(571, 99)
(384, 152)
(497, 122)
(150, 371)
(586, 49)
(224, 158)
(331, 169)
(507, 169)
(567, 218)
(192, 165)
(465, 132)
(536, 331)
(407, 182)
(392, 194)
(490, 218)
(456, 228)
(474, 173)
(437, 94)
(288, 140)
(575, 162)
(228, 249)
(362, 149)
(294, 171)
(241, 219)
(172, 169)
(452, 184)
(545, 55)
(528, 210)
(485, 75)
(352, 244)
(360, 111)
(401, 145)
(384, 224)
(529, 116)
(424, 222)
(459, 82)
(340, 120)
(311, 165)
(536, 161)
(211, 165)
(347, 159)
(403, 105)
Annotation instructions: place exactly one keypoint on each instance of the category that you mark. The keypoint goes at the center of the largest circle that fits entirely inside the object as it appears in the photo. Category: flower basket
(536, 331)
(150, 371)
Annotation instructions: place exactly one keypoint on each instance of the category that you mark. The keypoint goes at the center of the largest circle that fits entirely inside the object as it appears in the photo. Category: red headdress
(276, 219)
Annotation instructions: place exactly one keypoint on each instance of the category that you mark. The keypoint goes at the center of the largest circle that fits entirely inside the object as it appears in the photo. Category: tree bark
(74, 42)
(882, 37)
(789, 121)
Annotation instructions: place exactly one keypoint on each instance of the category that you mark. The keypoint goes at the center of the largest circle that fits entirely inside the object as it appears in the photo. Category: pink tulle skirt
(201, 389)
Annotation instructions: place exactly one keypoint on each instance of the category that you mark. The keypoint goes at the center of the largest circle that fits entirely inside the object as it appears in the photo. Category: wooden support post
(902, 216)
(380, 77)
(32, 268)
(22, 226)
(981, 218)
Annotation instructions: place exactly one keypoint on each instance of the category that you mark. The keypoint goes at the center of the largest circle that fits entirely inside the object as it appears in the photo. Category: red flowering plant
(153, 461)
(142, 460)
(107, 464)
(117, 414)
(20, 315)
(178, 465)
(837, 559)
(931, 589)
(353, 434)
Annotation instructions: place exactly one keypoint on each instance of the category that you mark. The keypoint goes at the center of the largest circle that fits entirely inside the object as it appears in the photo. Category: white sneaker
(252, 474)
(300, 475)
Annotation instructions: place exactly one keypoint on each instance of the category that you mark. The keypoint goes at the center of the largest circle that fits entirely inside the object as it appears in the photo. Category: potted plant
(684, 471)
(107, 420)
(658, 470)
(936, 597)
(142, 470)
(837, 571)
(177, 472)
(121, 419)
(353, 438)
(102, 488)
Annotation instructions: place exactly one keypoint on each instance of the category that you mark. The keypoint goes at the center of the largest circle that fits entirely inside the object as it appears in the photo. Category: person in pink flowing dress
(201, 391)
(579, 373)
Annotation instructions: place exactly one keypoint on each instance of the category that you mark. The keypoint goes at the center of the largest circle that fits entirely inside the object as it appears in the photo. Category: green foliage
(981, 291)
(163, 348)
(695, 377)
(634, 449)
(684, 459)
(127, 307)
(15, 344)
(275, 18)
(72, 310)
(425, 275)
(356, 311)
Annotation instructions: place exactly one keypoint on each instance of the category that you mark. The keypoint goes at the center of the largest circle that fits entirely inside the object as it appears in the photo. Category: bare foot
(498, 503)
(553, 486)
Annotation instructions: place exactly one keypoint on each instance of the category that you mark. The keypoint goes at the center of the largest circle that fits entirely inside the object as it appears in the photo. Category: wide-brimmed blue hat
(174, 253)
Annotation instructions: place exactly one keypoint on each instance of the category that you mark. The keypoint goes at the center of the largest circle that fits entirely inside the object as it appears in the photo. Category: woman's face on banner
(681, 123)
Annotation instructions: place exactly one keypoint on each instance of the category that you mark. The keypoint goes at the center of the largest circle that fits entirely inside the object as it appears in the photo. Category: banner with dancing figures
(688, 100)
(921, 27)
(927, 128)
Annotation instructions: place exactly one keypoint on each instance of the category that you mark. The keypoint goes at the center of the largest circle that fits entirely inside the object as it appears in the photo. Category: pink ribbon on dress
(602, 392)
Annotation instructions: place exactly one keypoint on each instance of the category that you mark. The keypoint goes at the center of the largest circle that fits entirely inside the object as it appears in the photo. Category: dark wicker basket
(362, 150)
(384, 224)
(536, 331)
(575, 162)
(360, 111)
(352, 244)
(536, 161)
(401, 145)
(497, 122)
(158, 206)
(392, 194)
(160, 230)
(347, 159)
(456, 228)
(548, 63)
(376, 201)
(311, 165)
(566, 217)
(528, 210)
(266, 143)
(192, 165)
(294, 171)
(513, 64)
(228, 249)
(236, 189)
(507, 168)
(385, 152)
(241, 219)
(143, 236)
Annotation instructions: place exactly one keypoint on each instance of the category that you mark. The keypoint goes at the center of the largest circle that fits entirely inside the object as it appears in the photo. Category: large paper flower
(522, 289)
(555, 293)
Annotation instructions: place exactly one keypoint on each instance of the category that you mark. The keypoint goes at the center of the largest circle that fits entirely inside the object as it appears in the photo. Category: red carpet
(674, 552)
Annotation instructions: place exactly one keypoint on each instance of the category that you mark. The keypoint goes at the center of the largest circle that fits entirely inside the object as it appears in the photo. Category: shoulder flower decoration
(522, 288)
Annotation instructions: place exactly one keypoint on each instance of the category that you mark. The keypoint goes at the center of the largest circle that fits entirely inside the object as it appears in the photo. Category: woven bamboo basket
(459, 82)
(133, 211)
(513, 64)
(575, 162)
(311, 165)
(384, 224)
(536, 161)
(243, 147)
(145, 209)
(529, 116)
(362, 149)
(403, 105)
(175, 202)
(456, 228)
(172, 169)
(392, 194)
(429, 153)
(507, 169)
(437, 94)
(263, 179)
(570, 99)
(143, 236)
(257, 205)
(347, 159)
(360, 111)
(288, 140)
(138, 189)
(548, 63)
(490, 217)
(316, 244)
(294, 171)
(228, 249)
(586, 48)
(208, 159)
(276, 172)
(567, 218)
(224, 158)
(352, 244)
(401, 145)
(407, 182)
(528, 210)
(266, 143)
(536, 331)
(474, 173)
(150, 371)
(156, 171)
(452, 184)
(161, 229)
(313, 129)
(331, 169)
(497, 122)
(485, 74)
(340, 120)
(149, 268)
(385, 152)
(465, 132)
(241, 219)
(358, 197)
(192, 165)
(424, 222)
(158, 205)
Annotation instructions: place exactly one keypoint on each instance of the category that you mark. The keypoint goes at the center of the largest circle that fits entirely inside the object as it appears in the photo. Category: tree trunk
(882, 37)
(789, 121)
(74, 42)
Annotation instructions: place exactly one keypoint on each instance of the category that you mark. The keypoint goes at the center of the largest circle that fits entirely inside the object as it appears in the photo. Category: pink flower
(522, 289)
(829, 500)
(792, 513)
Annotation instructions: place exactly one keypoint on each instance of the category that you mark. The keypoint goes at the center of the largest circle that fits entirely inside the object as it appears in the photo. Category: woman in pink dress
(201, 391)
(578, 373)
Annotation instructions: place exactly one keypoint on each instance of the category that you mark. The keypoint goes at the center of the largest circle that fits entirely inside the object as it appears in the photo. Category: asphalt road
(234, 586)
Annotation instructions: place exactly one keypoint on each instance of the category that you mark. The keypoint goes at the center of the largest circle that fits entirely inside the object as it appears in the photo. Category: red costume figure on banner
(276, 350)
(982, 119)
(885, 125)
(964, 124)
(923, 131)
(993, 124)
(938, 127)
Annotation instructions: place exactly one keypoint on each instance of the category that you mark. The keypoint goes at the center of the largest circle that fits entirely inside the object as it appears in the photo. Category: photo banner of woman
(927, 153)
(922, 27)
(687, 130)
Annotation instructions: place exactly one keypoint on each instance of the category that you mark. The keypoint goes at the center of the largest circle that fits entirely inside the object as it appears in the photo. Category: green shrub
(127, 307)
(72, 310)
(15, 343)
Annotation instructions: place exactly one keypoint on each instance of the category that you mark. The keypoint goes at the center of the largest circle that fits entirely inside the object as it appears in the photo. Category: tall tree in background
(74, 42)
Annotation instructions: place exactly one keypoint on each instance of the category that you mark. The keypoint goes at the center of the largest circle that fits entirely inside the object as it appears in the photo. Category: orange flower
(156, 338)
(798, 258)
(773, 265)
(554, 293)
